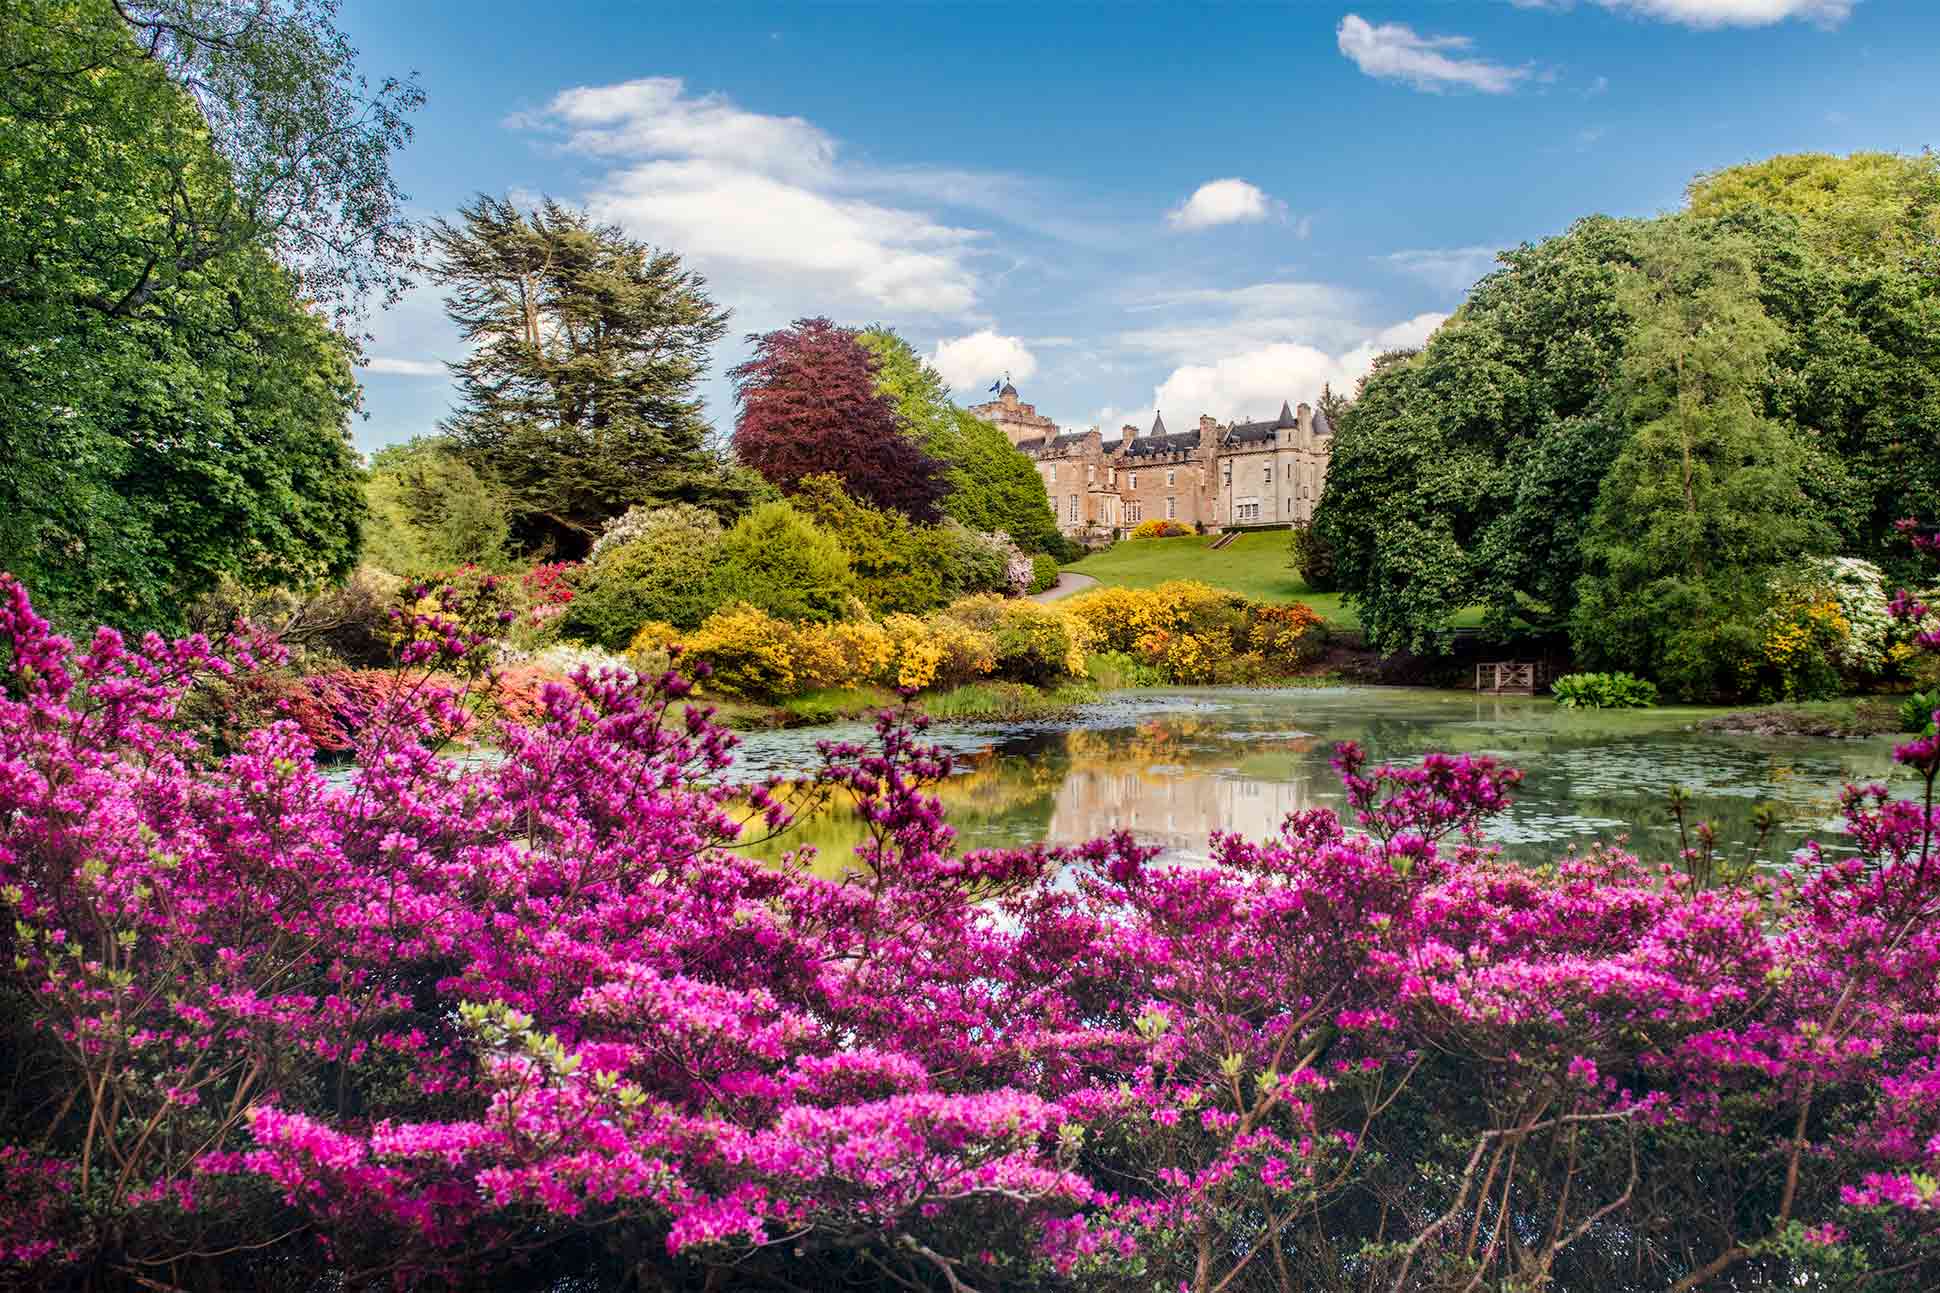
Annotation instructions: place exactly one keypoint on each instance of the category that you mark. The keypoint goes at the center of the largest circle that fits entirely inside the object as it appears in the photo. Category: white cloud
(1196, 323)
(1396, 52)
(761, 233)
(971, 363)
(407, 367)
(1453, 269)
(762, 205)
(1253, 383)
(1227, 201)
(656, 117)
(1711, 14)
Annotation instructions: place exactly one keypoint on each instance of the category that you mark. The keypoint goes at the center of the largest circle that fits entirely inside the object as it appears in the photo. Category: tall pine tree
(578, 396)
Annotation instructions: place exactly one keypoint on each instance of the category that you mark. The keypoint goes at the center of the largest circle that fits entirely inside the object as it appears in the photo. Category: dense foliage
(1524, 460)
(430, 511)
(578, 393)
(1704, 505)
(534, 1023)
(173, 407)
(1312, 558)
(776, 559)
(650, 564)
(1603, 691)
(809, 404)
(992, 487)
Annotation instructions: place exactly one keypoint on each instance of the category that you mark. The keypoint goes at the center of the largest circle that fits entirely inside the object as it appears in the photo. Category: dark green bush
(1044, 572)
(1312, 557)
(1916, 711)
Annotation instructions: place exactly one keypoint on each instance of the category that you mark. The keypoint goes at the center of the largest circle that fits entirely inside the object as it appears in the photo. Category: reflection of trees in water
(989, 796)
(1175, 778)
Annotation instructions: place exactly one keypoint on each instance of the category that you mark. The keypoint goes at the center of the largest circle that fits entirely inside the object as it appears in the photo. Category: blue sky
(1205, 209)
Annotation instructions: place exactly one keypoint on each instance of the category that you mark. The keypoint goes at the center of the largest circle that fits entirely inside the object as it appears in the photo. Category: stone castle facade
(1215, 476)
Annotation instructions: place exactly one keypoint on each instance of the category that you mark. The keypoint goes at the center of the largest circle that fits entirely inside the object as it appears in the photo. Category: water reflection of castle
(1177, 810)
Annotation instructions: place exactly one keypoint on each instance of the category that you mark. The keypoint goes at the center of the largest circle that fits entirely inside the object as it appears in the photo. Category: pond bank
(980, 702)
(1849, 717)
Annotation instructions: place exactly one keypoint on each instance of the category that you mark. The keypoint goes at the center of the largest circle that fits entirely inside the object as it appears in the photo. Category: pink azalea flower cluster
(535, 1023)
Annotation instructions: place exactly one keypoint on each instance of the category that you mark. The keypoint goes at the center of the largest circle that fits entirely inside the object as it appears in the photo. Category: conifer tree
(578, 396)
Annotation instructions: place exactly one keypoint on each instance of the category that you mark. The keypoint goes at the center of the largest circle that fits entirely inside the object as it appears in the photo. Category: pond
(1174, 765)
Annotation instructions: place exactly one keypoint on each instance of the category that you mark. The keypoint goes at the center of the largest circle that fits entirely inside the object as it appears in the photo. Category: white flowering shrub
(1860, 587)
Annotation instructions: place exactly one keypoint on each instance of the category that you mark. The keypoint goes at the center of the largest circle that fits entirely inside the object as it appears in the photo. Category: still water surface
(1174, 765)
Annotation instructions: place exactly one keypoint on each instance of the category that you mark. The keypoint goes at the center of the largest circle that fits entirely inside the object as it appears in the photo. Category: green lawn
(1254, 565)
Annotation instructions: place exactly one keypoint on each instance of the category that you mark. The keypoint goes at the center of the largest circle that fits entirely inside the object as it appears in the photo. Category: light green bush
(776, 559)
(650, 564)
(1603, 691)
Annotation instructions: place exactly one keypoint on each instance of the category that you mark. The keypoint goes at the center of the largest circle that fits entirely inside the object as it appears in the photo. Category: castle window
(1228, 475)
(1269, 474)
(1171, 477)
(1074, 509)
(1134, 513)
(1091, 474)
(1131, 479)
(1171, 507)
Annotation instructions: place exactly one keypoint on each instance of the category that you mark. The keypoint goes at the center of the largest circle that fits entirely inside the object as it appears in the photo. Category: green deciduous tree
(1704, 506)
(578, 395)
(1468, 473)
(1432, 501)
(991, 485)
(430, 511)
(1874, 208)
(166, 135)
(170, 411)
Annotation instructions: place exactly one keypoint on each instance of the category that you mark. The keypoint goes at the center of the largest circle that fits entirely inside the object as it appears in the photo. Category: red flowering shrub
(548, 589)
(534, 1023)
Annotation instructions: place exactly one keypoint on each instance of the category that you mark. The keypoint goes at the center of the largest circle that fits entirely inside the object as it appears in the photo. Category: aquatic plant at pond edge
(1603, 691)
(536, 1021)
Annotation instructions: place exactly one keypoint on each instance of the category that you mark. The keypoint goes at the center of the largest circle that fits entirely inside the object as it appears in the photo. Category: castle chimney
(1206, 424)
(1305, 416)
(1129, 431)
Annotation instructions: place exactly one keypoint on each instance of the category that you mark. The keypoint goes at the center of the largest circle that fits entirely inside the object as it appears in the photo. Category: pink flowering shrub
(535, 1024)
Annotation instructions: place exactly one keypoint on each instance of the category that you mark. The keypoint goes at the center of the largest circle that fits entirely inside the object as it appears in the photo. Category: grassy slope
(1254, 565)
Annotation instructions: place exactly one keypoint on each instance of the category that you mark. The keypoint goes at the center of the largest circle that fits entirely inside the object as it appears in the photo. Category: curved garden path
(1069, 582)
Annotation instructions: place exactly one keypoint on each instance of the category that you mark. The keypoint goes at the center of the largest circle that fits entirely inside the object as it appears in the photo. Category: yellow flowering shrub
(649, 652)
(917, 652)
(1806, 632)
(967, 653)
(845, 654)
(751, 652)
(982, 611)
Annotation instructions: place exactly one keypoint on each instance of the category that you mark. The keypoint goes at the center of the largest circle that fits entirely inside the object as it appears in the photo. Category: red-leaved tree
(809, 404)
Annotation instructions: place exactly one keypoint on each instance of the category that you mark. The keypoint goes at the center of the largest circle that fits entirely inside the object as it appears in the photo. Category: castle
(1215, 477)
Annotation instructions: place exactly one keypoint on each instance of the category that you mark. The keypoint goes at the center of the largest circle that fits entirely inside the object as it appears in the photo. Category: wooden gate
(1508, 677)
